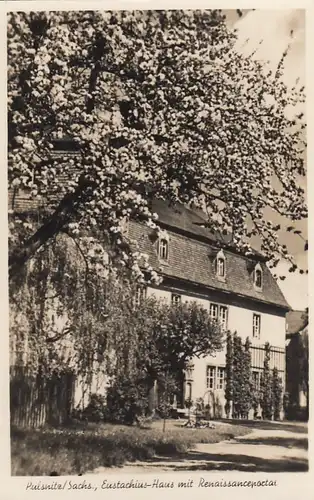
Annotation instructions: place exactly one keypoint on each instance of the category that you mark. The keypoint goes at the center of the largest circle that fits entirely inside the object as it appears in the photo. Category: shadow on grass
(278, 441)
(298, 428)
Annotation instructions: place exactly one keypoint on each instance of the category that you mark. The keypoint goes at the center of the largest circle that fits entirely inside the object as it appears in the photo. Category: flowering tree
(151, 104)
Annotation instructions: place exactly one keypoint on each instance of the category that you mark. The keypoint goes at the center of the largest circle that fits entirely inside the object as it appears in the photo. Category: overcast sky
(279, 29)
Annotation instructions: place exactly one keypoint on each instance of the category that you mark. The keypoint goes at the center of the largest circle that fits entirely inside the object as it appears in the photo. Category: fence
(36, 400)
(277, 357)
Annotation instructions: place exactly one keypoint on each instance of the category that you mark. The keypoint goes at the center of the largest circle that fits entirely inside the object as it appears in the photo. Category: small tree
(237, 375)
(229, 375)
(266, 386)
(276, 394)
(126, 400)
(246, 393)
(256, 398)
(167, 386)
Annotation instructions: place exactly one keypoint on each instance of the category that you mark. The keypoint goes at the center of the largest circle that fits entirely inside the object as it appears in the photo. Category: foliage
(241, 383)
(266, 386)
(39, 452)
(256, 399)
(93, 327)
(152, 104)
(229, 373)
(126, 400)
(297, 359)
(95, 411)
(169, 336)
(276, 394)
(247, 394)
(297, 367)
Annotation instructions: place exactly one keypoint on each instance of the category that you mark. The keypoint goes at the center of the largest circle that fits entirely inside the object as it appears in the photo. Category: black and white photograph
(158, 243)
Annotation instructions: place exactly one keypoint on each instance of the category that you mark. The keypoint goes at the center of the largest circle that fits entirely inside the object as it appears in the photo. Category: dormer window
(163, 246)
(221, 265)
(163, 249)
(258, 277)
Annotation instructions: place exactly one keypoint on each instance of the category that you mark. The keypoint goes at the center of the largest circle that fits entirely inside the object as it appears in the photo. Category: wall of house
(240, 319)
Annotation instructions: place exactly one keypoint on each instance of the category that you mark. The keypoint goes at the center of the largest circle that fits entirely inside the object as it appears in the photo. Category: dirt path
(261, 450)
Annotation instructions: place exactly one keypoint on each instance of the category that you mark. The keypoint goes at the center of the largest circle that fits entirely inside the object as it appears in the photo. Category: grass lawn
(67, 451)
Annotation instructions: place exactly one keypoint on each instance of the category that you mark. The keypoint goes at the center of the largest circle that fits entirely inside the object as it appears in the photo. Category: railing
(277, 357)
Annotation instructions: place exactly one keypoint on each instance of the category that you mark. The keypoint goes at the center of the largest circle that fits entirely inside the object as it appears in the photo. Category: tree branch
(59, 336)
(51, 227)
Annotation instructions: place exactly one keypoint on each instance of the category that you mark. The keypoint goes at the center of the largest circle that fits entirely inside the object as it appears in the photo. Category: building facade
(238, 291)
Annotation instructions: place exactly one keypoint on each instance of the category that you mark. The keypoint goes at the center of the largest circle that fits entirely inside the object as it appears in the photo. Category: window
(220, 378)
(256, 325)
(256, 379)
(210, 377)
(163, 246)
(223, 316)
(213, 312)
(175, 299)
(258, 277)
(140, 295)
(221, 265)
(215, 377)
(219, 312)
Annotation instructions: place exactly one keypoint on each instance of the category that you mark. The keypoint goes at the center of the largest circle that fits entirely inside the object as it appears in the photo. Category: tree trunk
(152, 396)
(164, 425)
(62, 215)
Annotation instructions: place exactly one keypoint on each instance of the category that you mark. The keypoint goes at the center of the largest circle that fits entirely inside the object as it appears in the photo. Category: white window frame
(214, 307)
(223, 319)
(221, 380)
(258, 270)
(140, 295)
(163, 246)
(215, 377)
(221, 265)
(218, 316)
(176, 299)
(163, 249)
(257, 319)
(210, 376)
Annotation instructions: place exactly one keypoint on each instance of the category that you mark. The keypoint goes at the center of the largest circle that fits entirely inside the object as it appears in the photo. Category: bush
(95, 411)
(127, 401)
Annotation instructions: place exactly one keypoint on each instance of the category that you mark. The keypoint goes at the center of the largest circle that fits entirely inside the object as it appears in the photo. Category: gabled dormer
(163, 246)
(220, 266)
(258, 277)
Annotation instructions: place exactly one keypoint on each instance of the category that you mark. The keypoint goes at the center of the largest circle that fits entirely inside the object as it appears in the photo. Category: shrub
(95, 411)
(127, 401)
(276, 394)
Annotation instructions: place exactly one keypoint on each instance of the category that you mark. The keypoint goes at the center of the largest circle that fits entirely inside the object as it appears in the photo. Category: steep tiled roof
(186, 219)
(296, 321)
(193, 222)
(192, 260)
(192, 251)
